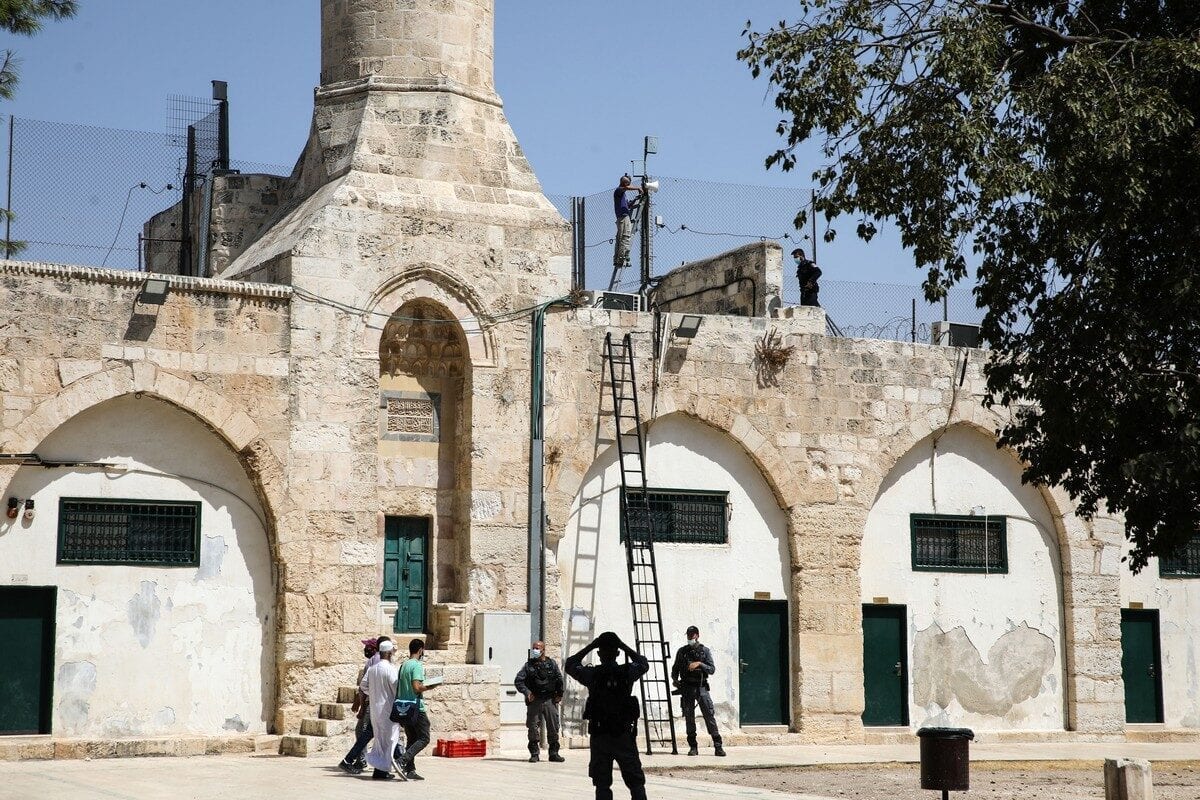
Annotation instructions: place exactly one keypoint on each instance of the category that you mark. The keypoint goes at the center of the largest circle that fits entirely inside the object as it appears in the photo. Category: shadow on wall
(207, 630)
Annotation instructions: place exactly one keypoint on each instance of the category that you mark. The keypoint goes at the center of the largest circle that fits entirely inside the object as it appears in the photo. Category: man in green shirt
(411, 686)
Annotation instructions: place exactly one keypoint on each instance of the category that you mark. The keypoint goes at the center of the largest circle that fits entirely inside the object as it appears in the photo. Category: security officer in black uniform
(612, 713)
(542, 684)
(693, 664)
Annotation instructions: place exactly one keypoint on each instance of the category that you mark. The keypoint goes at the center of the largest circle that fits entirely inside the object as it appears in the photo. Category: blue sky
(582, 83)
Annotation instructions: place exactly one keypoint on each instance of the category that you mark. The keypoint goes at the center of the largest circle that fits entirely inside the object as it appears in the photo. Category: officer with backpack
(693, 664)
(542, 684)
(612, 713)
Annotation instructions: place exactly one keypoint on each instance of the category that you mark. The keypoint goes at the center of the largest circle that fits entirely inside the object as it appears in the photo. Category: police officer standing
(693, 664)
(808, 275)
(612, 713)
(542, 684)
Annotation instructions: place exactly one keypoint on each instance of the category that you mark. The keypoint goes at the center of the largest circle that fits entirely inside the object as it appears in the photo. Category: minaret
(415, 43)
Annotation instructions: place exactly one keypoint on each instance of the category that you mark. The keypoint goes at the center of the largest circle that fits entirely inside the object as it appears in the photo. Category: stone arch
(430, 283)
(587, 566)
(230, 424)
(232, 441)
(425, 383)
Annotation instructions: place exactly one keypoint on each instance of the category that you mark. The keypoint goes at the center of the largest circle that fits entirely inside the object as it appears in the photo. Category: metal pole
(914, 321)
(813, 211)
(185, 207)
(536, 479)
(220, 93)
(8, 203)
(946, 306)
(139, 251)
(583, 243)
(647, 255)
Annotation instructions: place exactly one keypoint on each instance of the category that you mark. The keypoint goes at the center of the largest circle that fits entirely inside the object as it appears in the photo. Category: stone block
(1128, 779)
(72, 369)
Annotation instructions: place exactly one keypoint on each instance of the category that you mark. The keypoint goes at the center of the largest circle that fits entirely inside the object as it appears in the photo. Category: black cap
(798, 250)
(693, 629)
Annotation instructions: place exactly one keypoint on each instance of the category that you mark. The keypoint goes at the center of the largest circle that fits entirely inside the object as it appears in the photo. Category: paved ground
(893, 782)
(750, 773)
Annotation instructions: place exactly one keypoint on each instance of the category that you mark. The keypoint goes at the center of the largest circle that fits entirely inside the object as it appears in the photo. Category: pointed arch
(427, 282)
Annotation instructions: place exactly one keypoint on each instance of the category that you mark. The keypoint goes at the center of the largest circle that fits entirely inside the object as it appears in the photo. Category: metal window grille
(681, 517)
(1185, 563)
(128, 532)
(948, 543)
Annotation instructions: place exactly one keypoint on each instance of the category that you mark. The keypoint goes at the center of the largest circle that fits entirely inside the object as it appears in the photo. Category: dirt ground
(902, 782)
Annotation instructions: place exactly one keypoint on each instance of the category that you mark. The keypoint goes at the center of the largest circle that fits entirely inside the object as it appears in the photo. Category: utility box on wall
(956, 334)
(502, 640)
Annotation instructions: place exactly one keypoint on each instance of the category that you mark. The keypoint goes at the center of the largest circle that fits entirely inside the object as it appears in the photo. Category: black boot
(555, 757)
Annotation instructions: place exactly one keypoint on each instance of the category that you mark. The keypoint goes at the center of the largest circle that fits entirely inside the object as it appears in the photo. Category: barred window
(950, 543)
(678, 516)
(138, 532)
(1185, 563)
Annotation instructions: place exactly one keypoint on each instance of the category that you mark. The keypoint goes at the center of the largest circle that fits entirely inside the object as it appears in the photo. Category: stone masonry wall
(851, 408)
(745, 282)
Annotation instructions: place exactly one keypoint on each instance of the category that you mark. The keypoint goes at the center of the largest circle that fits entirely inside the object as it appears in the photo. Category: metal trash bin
(946, 759)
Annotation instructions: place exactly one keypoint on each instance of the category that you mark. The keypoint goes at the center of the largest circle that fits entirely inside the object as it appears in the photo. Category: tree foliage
(24, 18)
(1054, 145)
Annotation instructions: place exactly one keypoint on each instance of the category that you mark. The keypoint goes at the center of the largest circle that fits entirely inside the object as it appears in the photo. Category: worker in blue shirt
(624, 211)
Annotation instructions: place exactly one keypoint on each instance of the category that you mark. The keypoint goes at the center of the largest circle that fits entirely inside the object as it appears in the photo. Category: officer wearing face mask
(542, 684)
(693, 665)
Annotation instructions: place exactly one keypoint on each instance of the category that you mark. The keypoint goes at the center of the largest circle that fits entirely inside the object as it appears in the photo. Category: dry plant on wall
(771, 357)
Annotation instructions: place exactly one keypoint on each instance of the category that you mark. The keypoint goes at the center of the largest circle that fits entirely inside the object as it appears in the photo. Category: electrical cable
(125, 210)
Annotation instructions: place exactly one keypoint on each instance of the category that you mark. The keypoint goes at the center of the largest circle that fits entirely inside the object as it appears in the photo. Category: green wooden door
(406, 540)
(763, 662)
(885, 665)
(27, 660)
(1140, 666)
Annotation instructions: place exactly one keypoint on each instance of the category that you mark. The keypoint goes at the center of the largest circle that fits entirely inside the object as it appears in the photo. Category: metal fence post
(12, 125)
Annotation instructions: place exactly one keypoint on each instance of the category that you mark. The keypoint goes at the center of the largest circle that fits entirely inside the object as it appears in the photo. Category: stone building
(233, 483)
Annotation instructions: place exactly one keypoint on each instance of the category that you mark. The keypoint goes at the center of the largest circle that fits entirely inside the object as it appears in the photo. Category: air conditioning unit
(956, 334)
(618, 301)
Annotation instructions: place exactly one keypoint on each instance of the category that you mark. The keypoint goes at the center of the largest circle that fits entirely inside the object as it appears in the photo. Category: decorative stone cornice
(376, 83)
(124, 277)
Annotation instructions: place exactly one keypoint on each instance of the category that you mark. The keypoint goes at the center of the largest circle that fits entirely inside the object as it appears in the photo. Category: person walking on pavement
(411, 686)
(624, 211)
(612, 713)
(379, 685)
(353, 763)
(693, 664)
(542, 684)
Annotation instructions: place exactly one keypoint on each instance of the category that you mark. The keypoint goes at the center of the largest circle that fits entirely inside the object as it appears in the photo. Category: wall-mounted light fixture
(154, 291)
(29, 510)
(14, 507)
(689, 325)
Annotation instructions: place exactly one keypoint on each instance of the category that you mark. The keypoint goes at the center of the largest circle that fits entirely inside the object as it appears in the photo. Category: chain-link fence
(693, 220)
(80, 194)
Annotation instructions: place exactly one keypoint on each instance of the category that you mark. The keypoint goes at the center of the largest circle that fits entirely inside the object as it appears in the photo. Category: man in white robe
(379, 684)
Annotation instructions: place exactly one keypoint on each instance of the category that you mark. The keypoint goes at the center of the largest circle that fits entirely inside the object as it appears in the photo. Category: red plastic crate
(460, 748)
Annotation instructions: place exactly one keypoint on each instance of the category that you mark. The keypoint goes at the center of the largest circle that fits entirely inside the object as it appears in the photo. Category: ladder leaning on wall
(638, 529)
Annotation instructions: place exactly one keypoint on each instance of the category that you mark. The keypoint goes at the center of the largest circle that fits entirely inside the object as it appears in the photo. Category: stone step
(346, 694)
(332, 711)
(305, 746)
(323, 727)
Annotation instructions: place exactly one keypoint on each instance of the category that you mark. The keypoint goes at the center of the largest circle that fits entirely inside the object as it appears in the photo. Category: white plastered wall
(700, 584)
(1178, 603)
(147, 651)
(1006, 673)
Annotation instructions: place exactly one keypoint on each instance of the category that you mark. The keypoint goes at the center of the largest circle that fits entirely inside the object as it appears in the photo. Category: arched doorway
(160, 571)
(721, 574)
(962, 593)
(424, 483)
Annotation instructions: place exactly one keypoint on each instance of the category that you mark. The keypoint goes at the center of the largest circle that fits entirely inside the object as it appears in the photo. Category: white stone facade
(403, 257)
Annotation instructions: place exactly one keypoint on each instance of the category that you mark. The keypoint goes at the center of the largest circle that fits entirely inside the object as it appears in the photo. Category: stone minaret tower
(411, 225)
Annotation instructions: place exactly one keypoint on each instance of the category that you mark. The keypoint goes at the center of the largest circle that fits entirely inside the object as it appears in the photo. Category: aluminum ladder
(637, 526)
